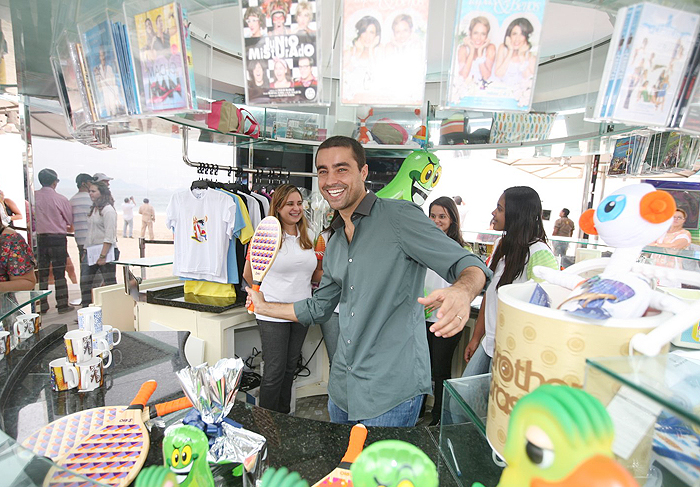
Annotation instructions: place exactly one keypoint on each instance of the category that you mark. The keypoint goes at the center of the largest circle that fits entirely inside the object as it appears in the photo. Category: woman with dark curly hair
(102, 235)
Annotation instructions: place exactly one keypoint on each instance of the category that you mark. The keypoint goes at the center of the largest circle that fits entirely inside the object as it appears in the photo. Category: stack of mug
(87, 349)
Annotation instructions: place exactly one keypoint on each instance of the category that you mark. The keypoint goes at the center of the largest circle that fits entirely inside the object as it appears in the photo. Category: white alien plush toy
(628, 219)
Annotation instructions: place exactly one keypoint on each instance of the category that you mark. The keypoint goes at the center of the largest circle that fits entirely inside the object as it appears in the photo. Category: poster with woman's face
(281, 57)
(494, 56)
(384, 52)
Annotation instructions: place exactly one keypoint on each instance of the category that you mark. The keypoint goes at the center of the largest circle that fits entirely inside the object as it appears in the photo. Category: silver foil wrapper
(212, 390)
(239, 445)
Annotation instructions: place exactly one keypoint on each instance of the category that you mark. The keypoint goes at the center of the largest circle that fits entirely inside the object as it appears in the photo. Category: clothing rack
(213, 169)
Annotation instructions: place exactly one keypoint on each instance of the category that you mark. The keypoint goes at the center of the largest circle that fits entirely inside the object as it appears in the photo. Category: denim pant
(128, 230)
(480, 363)
(403, 415)
(331, 331)
(53, 253)
(281, 349)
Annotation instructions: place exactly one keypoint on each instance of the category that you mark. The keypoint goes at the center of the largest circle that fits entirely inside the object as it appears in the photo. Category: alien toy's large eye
(611, 207)
(436, 178)
(542, 457)
(186, 455)
(175, 457)
(427, 173)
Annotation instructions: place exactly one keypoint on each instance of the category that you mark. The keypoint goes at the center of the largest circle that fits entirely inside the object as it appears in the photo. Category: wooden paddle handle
(358, 435)
(145, 393)
(251, 308)
(170, 407)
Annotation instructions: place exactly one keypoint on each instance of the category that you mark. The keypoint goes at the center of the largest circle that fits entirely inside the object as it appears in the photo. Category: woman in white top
(102, 230)
(523, 246)
(514, 62)
(476, 53)
(288, 280)
(443, 211)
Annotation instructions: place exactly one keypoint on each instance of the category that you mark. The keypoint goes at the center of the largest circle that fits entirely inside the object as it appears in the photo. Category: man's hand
(471, 347)
(256, 298)
(454, 304)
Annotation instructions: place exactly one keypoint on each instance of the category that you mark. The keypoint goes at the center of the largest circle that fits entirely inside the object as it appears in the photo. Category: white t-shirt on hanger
(202, 221)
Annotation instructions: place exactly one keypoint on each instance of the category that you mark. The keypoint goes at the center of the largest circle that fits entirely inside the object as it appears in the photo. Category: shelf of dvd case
(652, 64)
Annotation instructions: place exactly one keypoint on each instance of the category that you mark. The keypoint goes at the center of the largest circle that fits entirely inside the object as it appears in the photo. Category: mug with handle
(90, 319)
(64, 374)
(23, 328)
(90, 374)
(108, 334)
(5, 343)
(78, 345)
(100, 348)
(30, 321)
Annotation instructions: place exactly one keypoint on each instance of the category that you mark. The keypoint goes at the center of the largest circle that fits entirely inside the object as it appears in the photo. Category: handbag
(225, 117)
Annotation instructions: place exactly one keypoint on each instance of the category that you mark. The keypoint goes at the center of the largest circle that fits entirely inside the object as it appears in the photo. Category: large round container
(537, 345)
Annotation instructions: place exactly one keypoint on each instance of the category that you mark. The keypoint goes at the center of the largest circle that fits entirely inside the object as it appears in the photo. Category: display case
(654, 403)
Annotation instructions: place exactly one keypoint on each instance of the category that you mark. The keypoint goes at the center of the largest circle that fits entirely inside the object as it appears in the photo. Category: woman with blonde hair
(288, 280)
(476, 53)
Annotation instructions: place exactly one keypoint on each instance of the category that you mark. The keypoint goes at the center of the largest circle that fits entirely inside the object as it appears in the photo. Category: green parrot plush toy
(393, 463)
(418, 175)
(560, 436)
(185, 455)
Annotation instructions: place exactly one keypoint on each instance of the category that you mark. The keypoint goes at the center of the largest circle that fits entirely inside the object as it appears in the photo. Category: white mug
(108, 334)
(30, 321)
(64, 375)
(78, 345)
(5, 344)
(90, 374)
(24, 327)
(100, 348)
(90, 319)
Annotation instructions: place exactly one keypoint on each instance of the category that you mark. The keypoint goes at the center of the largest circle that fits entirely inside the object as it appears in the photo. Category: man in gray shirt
(374, 266)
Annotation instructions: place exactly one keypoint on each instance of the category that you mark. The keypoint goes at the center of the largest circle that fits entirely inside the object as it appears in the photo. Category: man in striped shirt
(81, 203)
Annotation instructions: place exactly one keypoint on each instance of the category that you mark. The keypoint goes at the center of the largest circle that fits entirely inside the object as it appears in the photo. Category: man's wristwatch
(103, 256)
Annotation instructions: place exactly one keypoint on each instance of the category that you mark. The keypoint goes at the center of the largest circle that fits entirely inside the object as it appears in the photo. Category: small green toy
(393, 463)
(418, 175)
(185, 454)
(561, 436)
(282, 478)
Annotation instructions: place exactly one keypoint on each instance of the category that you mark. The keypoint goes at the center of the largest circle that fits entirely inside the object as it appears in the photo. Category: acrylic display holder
(172, 67)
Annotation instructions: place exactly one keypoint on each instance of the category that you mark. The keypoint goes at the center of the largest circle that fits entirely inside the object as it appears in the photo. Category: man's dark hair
(126, 200)
(145, 200)
(81, 179)
(47, 177)
(566, 212)
(358, 151)
(457, 200)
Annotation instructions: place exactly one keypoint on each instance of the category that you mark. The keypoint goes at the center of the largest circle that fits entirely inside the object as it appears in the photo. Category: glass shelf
(158, 261)
(13, 301)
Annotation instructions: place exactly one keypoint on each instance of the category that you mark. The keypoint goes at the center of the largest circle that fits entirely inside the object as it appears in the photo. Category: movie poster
(384, 52)
(494, 56)
(281, 58)
(163, 73)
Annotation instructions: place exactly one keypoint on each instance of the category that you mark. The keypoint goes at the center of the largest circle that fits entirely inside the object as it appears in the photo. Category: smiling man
(374, 266)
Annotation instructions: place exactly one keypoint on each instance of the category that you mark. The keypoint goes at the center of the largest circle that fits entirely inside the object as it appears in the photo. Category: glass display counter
(654, 403)
(12, 302)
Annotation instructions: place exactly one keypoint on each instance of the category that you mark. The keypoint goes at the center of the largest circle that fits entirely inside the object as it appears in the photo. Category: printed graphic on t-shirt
(199, 229)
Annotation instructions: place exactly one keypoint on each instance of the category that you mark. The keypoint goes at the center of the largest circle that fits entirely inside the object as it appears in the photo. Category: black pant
(53, 253)
(108, 272)
(441, 351)
(281, 349)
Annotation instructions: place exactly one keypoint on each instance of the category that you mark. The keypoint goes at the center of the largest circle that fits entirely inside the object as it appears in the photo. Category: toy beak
(657, 206)
(586, 222)
(597, 471)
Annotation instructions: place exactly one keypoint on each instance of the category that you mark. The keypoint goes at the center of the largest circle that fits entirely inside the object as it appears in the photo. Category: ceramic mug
(5, 343)
(90, 374)
(25, 326)
(100, 348)
(31, 320)
(90, 319)
(108, 334)
(78, 345)
(64, 374)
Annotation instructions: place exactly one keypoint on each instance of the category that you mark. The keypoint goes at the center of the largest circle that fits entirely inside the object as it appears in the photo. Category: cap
(100, 176)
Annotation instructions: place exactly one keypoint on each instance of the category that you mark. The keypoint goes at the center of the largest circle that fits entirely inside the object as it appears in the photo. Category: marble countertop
(313, 448)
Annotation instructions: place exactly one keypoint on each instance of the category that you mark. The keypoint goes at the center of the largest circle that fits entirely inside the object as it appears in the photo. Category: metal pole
(28, 168)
